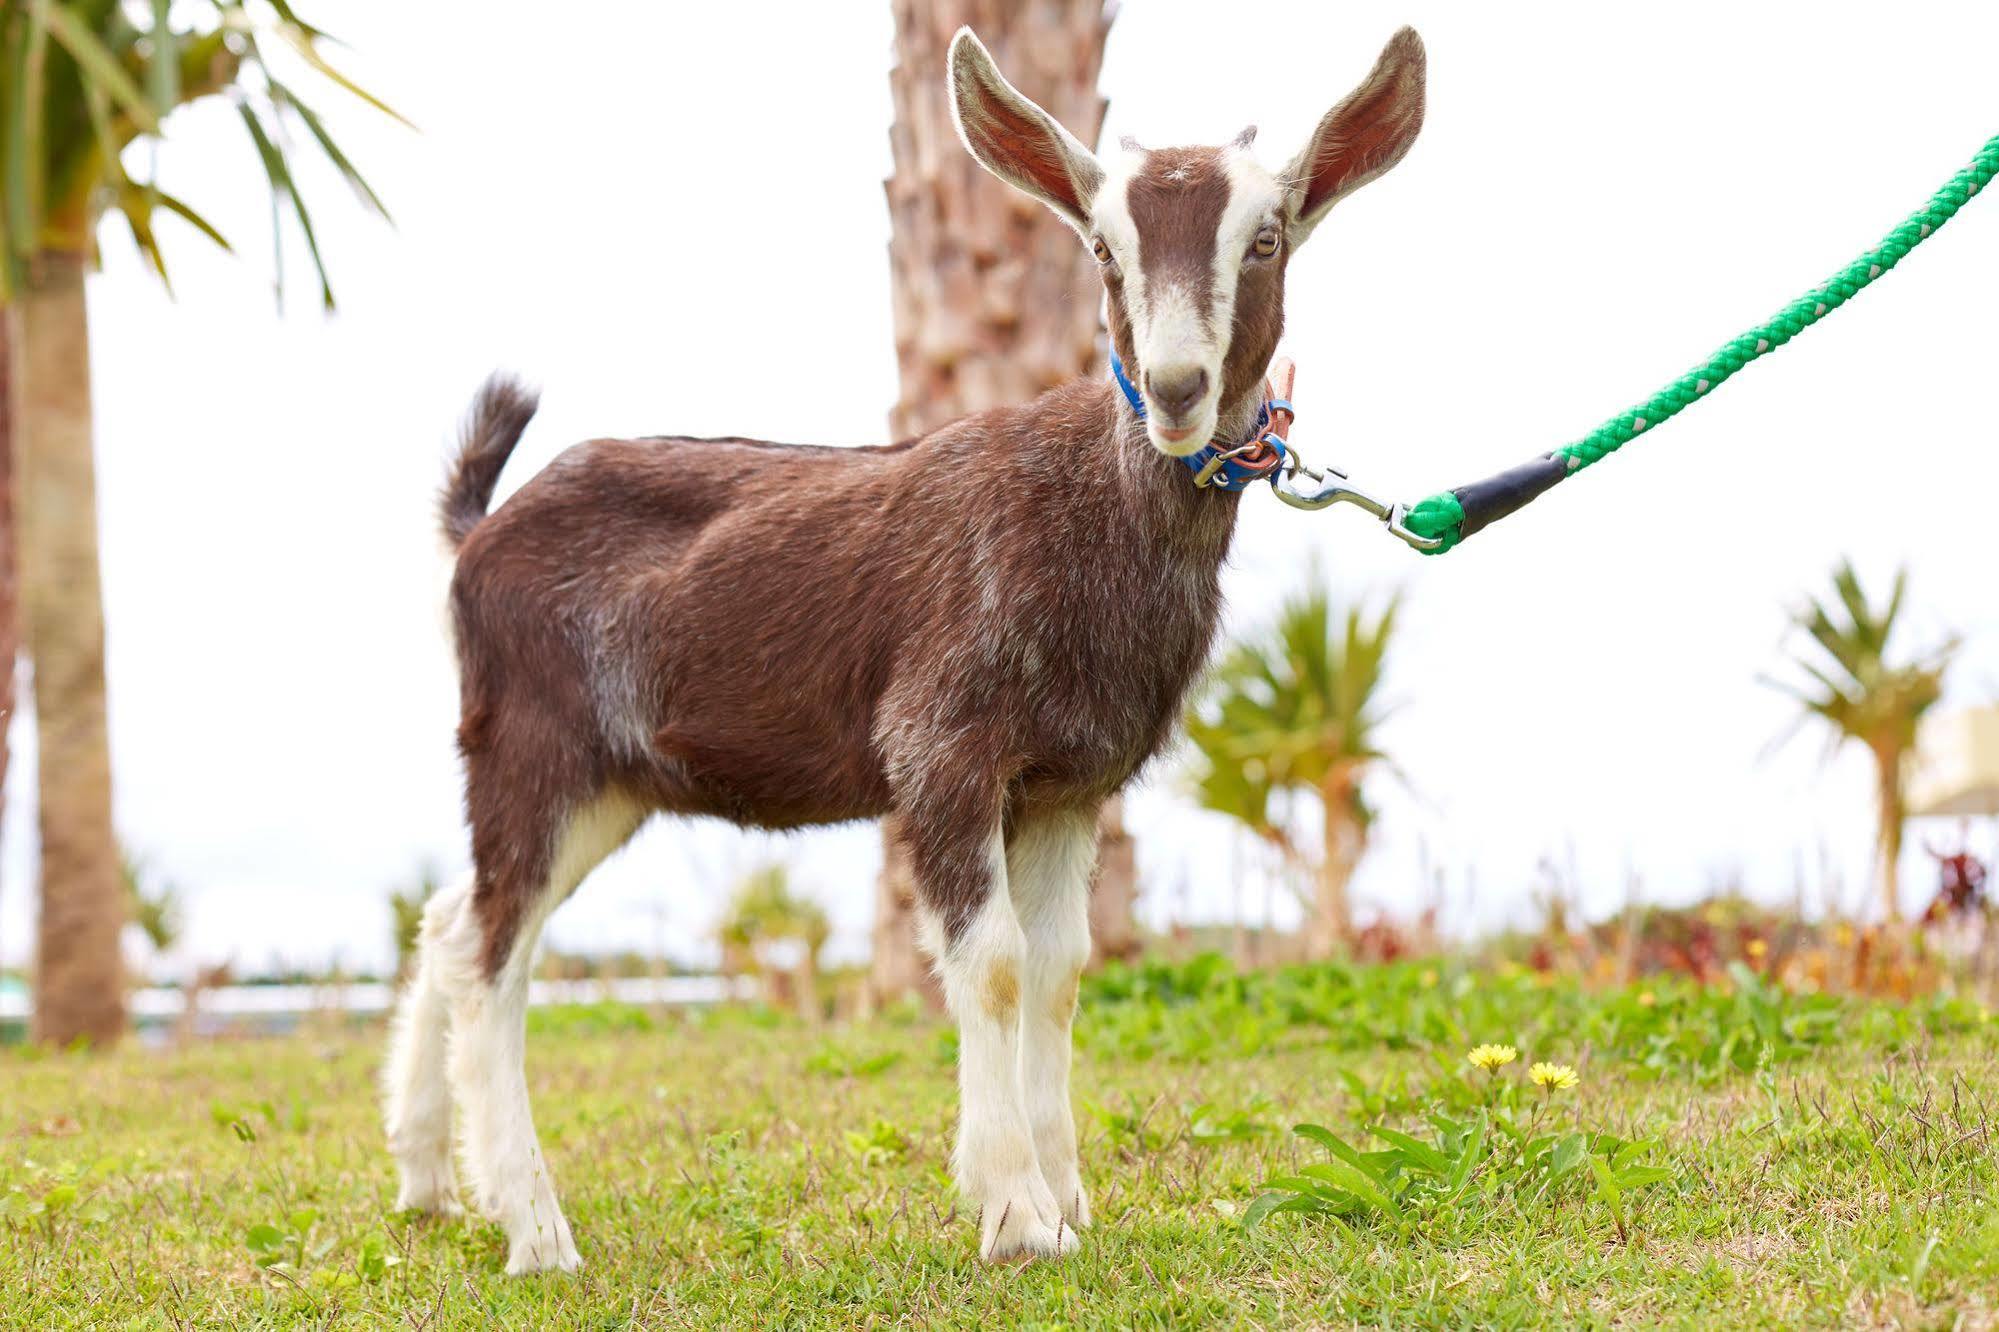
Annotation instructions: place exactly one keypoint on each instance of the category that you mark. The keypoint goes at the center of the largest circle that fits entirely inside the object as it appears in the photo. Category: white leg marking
(416, 1094)
(995, 1162)
(503, 1162)
(1048, 870)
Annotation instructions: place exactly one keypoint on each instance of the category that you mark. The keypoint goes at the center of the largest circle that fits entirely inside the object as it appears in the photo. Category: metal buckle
(1279, 451)
(1332, 488)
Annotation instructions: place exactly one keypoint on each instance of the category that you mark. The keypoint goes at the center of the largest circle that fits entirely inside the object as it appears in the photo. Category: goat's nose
(1178, 390)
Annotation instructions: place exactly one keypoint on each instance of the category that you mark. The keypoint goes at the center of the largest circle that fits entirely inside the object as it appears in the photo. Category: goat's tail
(494, 425)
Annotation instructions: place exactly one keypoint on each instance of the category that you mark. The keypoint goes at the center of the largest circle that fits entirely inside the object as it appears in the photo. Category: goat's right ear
(1018, 141)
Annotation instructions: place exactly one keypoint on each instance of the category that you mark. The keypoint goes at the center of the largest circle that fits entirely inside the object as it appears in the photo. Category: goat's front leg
(1048, 860)
(960, 868)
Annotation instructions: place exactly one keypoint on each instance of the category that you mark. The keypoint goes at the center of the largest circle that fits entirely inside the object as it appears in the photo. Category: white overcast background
(670, 216)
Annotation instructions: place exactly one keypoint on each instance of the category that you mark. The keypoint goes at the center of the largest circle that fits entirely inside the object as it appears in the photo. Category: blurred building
(1959, 773)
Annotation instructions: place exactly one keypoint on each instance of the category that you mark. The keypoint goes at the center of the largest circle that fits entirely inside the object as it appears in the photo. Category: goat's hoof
(547, 1249)
(1065, 1186)
(429, 1189)
(1015, 1232)
(445, 1208)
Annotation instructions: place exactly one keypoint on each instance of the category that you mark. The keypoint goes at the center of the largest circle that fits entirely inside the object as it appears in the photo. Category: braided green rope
(1441, 516)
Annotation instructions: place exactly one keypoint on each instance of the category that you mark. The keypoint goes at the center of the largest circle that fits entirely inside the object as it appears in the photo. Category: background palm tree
(994, 304)
(406, 906)
(1862, 697)
(766, 918)
(84, 80)
(157, 912)
(1297, 711)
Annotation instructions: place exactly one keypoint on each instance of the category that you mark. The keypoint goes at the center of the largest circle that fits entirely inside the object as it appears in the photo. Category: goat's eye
(1265, 244)
(1102, 251)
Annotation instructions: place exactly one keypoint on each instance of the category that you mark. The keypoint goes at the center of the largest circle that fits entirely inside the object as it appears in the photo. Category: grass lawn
(1785, 1161)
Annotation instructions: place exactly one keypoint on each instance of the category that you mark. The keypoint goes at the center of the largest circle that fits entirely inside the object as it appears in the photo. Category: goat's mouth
(1179, 441)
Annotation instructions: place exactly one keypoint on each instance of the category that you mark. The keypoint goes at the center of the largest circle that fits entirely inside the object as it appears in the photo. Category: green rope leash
(1453, 515)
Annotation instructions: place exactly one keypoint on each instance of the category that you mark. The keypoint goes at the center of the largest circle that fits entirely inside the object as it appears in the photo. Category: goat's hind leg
(416, 1091)
(486, 950)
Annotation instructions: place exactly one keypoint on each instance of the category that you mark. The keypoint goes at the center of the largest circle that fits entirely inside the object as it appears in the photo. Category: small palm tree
(766, 917)
(1297, 711)
(157, 912)
(1861, 696)
(406, 917)
(83, 82)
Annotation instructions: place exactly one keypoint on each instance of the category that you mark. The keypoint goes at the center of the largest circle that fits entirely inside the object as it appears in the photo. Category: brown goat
(981, 633)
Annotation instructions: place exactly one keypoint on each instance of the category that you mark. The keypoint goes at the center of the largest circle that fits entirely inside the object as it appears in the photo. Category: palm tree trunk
(1114, 895)
(10, 623)
(993, 298)
(897, 967)
(79, 976)
(1888, 784)
(1330, 924)
(806, 977)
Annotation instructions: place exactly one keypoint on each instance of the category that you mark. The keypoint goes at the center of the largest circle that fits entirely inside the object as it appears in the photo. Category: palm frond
(163, 66)
(1854, 689)
(192, 218)
(81, 80)
(303, 41)
(285, 191)
(26, 38)
(1291, 707)
(98, 65)
(286, 98)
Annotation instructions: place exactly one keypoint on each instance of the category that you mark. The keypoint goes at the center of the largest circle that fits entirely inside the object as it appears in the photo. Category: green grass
(1818, 1162)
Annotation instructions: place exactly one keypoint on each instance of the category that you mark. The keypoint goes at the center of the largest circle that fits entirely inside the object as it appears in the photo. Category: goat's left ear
(1361, 137)
(1018, 141)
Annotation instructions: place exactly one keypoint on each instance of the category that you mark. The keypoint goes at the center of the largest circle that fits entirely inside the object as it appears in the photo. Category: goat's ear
(1361, 137)
(1016, 140)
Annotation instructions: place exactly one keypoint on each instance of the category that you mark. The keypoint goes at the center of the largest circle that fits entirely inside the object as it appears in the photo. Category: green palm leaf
(99, 66)
(81, 80)
(284, 190)
(1291, 708)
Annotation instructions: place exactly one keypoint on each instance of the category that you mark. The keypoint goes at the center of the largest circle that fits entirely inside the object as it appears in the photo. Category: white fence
(364, 997)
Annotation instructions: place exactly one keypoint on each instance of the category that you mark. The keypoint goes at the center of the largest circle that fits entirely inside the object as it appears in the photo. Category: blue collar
(1211, 464)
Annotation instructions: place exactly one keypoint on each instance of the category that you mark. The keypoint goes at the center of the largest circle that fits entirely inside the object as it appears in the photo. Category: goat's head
(1192, 242)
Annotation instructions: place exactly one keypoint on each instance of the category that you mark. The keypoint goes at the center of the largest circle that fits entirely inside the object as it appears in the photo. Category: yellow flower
(1493, 1057)
(1647, 999)
(1756, 948)
(1554, 1077)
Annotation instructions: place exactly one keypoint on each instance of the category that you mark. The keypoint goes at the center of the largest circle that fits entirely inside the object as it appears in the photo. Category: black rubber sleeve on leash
(1488, 501)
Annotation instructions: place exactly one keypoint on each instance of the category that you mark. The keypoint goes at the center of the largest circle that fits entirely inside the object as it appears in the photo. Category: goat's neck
(1194, 523)
(1153, 470)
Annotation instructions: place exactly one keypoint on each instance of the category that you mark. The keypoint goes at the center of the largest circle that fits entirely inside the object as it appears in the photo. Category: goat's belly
(766, 777)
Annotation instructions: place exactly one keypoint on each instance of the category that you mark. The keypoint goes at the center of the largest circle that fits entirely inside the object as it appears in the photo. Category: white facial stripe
(1253, 199)
(1167, 327)
(1175, 331)
(1113, 222)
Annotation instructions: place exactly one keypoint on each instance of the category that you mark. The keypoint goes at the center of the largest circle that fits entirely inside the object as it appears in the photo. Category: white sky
(671, 217)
